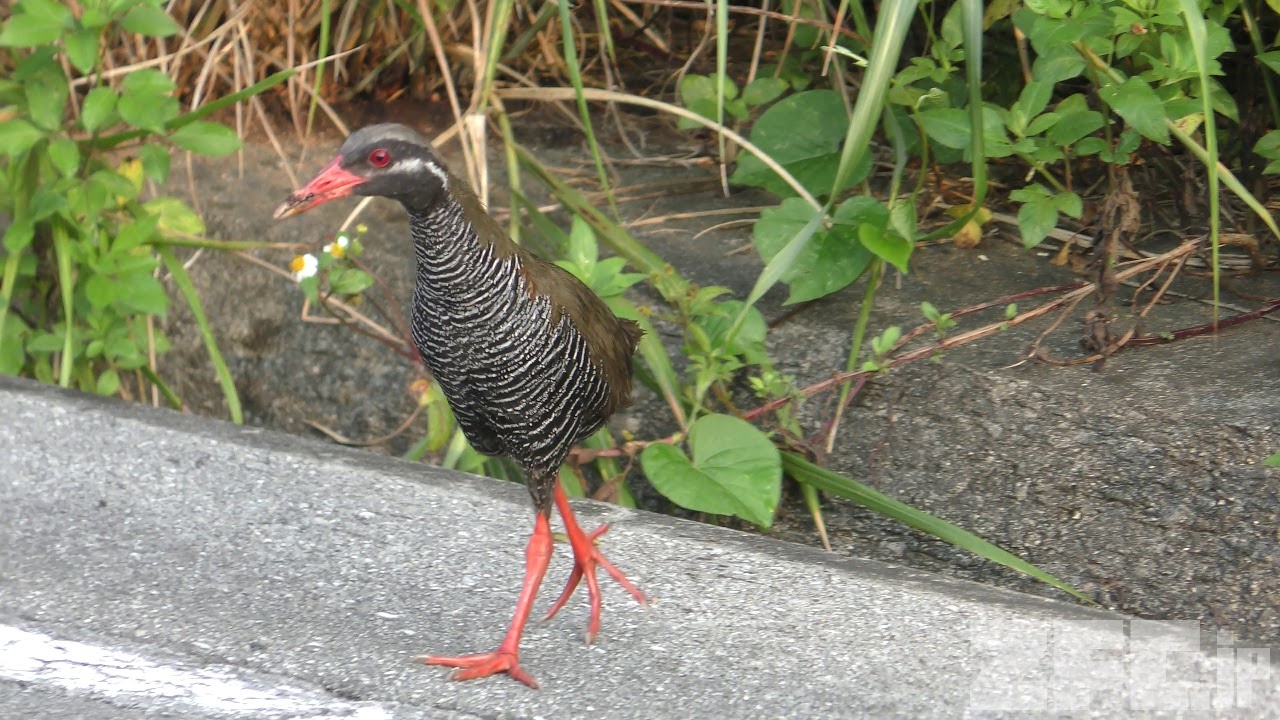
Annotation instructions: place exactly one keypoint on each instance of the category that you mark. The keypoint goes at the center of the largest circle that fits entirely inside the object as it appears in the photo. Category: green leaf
(82, 49)
(583, 250)
(1271, 60)
(101, 290)
(1074, 126)
(823, 479)
(1035, 97)
(12, 333)
(144, 294)
(155, 162)
(749, 340)
(146, 100)
(350, 281)
(150, 21)
(1138, 104)
(1057, 64)
(1273, 461)
(65, 156)
(887, 245)
(763, 90)
(1038, 214)
(39, 23)
(206, 138)
(46, 90)
(135, 233)
(175, 216)
(948, 126)
(735, 470)
(108, 382)
(802, 133)
(99, 107)
(833, 258)
(17, 137)
(19, 235)
(114, 184)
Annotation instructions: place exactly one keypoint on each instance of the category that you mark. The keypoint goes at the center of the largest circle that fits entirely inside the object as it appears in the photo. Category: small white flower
(304, 266)
(338, 247)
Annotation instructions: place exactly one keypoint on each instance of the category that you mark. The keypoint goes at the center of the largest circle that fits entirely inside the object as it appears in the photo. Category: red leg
(585, 559)
(506, 659)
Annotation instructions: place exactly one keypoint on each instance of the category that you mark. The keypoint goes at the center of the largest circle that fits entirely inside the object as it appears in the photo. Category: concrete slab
(294, 568)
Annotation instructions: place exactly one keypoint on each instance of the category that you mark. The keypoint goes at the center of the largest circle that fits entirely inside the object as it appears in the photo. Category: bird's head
(388, 160)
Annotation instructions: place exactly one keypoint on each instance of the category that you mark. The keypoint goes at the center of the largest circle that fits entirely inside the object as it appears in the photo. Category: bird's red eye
(379, 158)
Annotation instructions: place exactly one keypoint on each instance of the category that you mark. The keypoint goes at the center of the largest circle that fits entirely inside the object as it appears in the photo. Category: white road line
(119, 675)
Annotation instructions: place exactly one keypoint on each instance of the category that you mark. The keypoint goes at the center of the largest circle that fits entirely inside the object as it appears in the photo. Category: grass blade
(806, 472)
(66, 288)
(188, 290)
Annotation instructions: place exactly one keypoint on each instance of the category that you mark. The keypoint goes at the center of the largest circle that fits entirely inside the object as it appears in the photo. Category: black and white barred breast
(516, 371)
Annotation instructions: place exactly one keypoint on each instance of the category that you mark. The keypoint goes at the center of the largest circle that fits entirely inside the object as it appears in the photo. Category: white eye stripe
(416, 164)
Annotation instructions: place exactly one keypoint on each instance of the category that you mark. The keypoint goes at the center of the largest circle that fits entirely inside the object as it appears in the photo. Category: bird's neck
(459, 247)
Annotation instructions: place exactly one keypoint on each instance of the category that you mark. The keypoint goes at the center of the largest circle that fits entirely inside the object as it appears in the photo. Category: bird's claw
(585, 559)
(470, 667)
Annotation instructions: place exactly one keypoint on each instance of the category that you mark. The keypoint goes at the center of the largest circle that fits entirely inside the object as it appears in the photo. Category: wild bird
(530, 359)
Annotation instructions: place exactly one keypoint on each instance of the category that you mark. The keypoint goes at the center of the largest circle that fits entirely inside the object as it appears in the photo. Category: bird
(530, 359)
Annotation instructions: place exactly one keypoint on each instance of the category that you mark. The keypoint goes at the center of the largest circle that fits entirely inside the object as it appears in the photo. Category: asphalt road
(163, 565)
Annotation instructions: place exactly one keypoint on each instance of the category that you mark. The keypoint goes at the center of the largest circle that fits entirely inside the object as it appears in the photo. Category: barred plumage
(530, 359)
(516, 370)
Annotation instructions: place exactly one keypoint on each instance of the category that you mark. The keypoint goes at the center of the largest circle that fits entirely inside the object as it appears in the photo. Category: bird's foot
(585, 560)
(471, 667)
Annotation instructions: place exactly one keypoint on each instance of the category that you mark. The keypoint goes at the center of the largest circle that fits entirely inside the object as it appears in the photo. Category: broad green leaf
(108, 382)
(175, 216)
(46, 201)
(39, 23)
(948, 126)
(135, 233)
(101, 290)
(350, 281)
(802, 133)
(887, 245)
(1057, 64)
(735, 470)
(45, 342)
(1273, 461)
(155, 162)
(12, 334)
(1138, 104)
(1038, 214)
(206, 138)
(1271, 60)
(17, 137)
(833, 258)
(144, 294)
(99, 107)
(47, 92)
(114, 184)
(146, 100)
(1035, 97)
(19, 234)
(748, 342)
(1074, 126)
(763, 90)
(82, 49)
(65, 156)
(150, 21)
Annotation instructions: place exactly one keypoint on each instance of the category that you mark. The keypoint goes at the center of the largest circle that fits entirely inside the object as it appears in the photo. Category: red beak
(331, 183)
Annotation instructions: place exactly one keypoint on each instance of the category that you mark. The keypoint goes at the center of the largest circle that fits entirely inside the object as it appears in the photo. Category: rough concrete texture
(1141, 484)
(282, 560)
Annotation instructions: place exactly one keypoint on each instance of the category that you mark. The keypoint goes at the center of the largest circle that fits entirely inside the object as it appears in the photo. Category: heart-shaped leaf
(735, 470)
